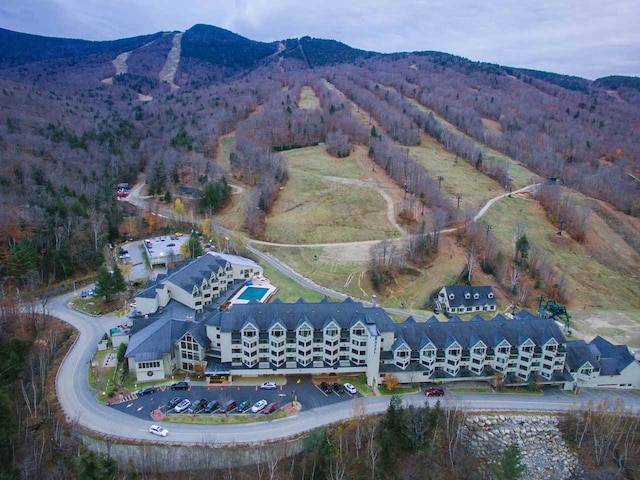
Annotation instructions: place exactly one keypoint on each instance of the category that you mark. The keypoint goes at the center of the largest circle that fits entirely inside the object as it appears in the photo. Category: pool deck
(259, 281)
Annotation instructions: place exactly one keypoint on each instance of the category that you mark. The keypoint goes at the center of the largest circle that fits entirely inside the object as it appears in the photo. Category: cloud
(581, 37)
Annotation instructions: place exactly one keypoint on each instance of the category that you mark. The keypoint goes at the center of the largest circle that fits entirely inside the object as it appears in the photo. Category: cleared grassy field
(459, 177)
(308, 98)
(328, 271)
(289, 290)
(316, 209)
(592, 283)
(412, 288)
(521, 175)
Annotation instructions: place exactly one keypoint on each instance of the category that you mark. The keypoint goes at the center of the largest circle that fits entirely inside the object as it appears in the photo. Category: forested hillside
(78, 118)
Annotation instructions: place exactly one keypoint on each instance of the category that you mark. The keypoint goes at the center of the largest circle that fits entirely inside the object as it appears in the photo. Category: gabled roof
(195, 270)
(460, 291)
(318, 315)
(579, 353)
(159, 338)
(399, 343)
(490, 332)
(613, 358)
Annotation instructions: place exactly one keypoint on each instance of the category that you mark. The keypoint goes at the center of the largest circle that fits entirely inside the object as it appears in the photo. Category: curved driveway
(79, 404)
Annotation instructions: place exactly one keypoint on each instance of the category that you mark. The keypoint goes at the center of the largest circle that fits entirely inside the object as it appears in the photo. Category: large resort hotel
(189, 321)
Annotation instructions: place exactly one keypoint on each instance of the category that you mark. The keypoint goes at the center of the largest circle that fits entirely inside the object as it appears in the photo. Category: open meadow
(327, 200)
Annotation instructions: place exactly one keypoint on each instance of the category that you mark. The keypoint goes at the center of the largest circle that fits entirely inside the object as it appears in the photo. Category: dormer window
(304, 332)
(490, 295)
(467, 296)
(476, 296)
(451, 296)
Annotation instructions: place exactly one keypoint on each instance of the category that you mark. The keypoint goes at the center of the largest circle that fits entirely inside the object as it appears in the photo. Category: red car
(434, 392)
(272, 407)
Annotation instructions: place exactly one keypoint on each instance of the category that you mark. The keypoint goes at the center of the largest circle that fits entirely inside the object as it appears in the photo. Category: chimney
(374, 301)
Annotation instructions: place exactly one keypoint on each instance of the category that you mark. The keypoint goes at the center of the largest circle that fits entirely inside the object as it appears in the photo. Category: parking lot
(308, 394)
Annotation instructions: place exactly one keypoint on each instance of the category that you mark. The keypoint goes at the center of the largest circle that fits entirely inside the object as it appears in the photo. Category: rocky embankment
(544, 452)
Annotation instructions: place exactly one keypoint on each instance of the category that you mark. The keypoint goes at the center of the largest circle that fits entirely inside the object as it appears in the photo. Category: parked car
(145, 391)
(228, 406)
(338, 388)
(350, 388)
(211, 407)
(178, 234)
(84, 294)
(434, 392)
(158, 430)
(268, 386)
(173, 402)
(171, 244)
(326, 388)
(199, 405)
(259, 405)
(244, 405)
(182, 406)
(133, 305)
(272, 407)
(180, 386)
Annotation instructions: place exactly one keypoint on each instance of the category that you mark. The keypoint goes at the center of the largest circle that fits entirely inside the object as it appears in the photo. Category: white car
(350, 388)
(268, 386)
(158, 430)
(183, 405)
(260, 404)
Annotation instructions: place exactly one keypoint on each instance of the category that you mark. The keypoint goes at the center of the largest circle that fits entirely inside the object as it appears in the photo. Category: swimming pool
(253, 293)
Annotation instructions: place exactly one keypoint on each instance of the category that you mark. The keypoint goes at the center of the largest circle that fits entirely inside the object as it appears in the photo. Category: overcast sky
(589, 38)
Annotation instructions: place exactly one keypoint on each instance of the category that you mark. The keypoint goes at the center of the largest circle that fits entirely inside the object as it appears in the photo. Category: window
(586, 370)
(503, 350)
(304, 332)
(358, 331)
(332, 332)
(476, 296)
(467, 296)
(402, 353)
(249, 333)
(490, 295)
(277, 332)
(148, 365)
(454, 351)
(451, 296)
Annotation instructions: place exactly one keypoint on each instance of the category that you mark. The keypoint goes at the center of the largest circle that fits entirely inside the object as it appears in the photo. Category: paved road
(79, 404)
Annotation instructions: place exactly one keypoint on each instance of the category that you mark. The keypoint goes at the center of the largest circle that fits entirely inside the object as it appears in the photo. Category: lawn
(340, 275)
(100, 378)
(520, 174)
(315, 209)
(288, 289)
(97, 306)
(220, 419)
(308, 98)
(591, 283)
(412, 288)
(459, 177)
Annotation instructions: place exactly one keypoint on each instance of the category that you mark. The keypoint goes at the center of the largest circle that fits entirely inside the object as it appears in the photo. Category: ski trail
(120, 64)
(168, 72)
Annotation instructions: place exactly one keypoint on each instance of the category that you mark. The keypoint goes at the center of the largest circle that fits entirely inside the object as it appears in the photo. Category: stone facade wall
(545, 454)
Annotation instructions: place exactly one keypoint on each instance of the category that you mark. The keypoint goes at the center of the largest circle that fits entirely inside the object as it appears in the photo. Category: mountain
(224, 48)
(22, 48)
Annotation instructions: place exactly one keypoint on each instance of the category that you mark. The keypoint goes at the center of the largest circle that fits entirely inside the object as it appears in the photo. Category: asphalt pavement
(306, 392)
(79, 404)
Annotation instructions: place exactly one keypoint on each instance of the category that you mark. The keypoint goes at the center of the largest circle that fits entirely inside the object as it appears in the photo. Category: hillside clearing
(459, 177)
(521, 175)
(317, 207)
(308, 98)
